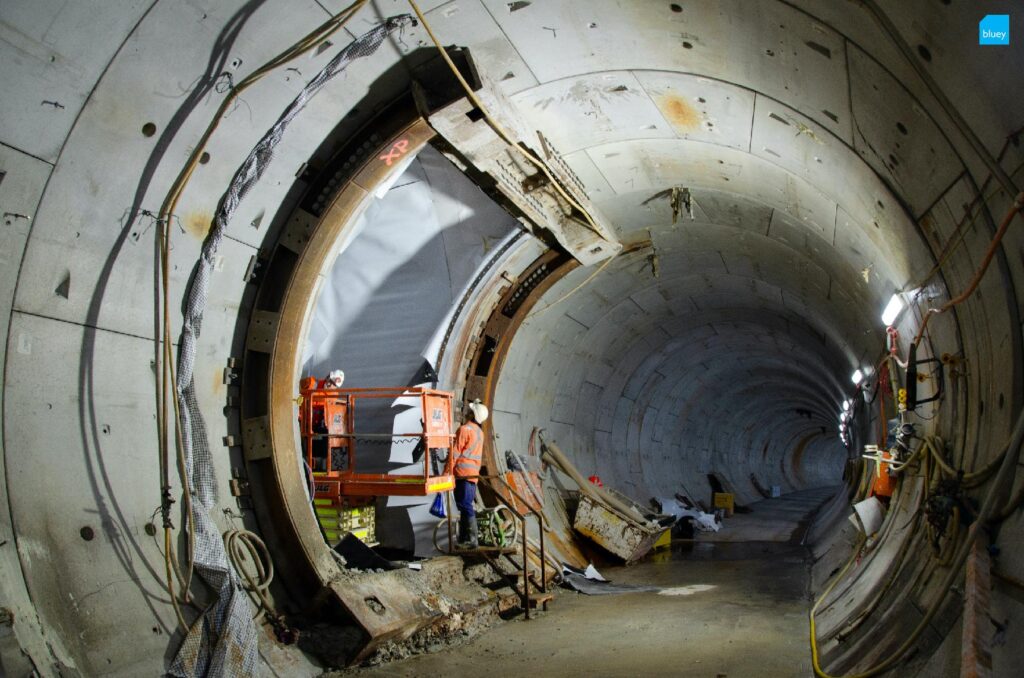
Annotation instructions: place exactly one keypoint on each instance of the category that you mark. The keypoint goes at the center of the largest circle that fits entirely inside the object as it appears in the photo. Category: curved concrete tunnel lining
(124, 315)
(642, 358)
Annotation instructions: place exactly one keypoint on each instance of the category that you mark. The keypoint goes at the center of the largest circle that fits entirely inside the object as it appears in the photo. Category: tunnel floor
(784, 519)
(735, 607)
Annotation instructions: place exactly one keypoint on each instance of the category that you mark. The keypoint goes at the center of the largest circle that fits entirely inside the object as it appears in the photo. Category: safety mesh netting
(223, 640)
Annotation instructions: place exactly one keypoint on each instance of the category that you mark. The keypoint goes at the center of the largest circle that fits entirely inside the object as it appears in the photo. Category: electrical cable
(1006, 472)
(1011, 506)
(1018, 205)
(244, 547)
(971, 479)
(168, 381)
(170, 581)
(894, 573)
(1016, 208)
(190, 435)
(957, 237)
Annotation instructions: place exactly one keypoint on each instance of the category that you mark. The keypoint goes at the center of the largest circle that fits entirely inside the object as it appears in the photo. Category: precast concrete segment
(724, 345)
(90, 87)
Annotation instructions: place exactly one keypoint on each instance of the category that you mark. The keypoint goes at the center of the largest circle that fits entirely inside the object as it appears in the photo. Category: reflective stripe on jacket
(469, 451)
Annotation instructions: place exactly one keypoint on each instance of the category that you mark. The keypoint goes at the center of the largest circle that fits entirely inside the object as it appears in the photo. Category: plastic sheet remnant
(591, 582)
(705, 522)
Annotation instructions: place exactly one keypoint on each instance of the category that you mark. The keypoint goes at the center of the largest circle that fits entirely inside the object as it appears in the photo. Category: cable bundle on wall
(1004, 467)
(223, 640)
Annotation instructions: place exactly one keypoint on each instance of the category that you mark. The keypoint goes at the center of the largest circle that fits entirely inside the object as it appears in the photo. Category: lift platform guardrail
(331, 441)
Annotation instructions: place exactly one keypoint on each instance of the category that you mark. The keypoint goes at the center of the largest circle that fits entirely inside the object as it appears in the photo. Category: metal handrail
(542, 587)
(522, 528)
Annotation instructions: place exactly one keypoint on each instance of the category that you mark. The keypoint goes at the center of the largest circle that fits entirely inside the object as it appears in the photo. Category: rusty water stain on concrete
(218, 382)
(680, 113)
(198, 224)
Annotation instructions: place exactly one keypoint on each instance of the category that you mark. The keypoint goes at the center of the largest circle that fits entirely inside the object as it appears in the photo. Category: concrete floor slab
(751, 622)
(782, 519)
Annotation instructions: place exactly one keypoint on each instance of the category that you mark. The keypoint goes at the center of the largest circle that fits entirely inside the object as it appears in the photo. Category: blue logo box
(994, 29)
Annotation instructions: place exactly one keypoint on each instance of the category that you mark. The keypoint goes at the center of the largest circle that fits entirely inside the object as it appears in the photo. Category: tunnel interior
(788, 191)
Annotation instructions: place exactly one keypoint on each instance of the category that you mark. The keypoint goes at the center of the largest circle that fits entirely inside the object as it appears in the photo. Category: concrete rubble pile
(449, 602)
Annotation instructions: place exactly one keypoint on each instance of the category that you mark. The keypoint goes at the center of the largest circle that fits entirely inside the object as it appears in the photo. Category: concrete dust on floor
(743, 613)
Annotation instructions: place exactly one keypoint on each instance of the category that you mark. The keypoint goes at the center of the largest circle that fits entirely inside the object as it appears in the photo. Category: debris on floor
(705, 522)
(608, 518)
(626, 538)
(409, 612)
(591, 583)
(359, 556)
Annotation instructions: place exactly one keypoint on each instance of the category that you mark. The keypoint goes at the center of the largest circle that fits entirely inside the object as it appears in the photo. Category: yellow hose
(818, 671)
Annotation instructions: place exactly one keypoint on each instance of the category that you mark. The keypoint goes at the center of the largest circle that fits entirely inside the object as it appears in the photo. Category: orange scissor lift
(331, 439)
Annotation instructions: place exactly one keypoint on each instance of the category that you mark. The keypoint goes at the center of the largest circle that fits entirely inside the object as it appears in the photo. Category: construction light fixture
(846, 406)
(893, 309)
(857, 377)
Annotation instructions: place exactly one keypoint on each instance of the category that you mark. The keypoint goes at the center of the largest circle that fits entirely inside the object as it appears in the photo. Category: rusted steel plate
(625, 539)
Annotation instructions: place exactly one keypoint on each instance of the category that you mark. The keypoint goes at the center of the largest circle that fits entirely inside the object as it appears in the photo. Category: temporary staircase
(523, 566)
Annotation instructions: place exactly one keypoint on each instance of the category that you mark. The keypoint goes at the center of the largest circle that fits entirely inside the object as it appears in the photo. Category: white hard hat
(336, 377)
(479, 411)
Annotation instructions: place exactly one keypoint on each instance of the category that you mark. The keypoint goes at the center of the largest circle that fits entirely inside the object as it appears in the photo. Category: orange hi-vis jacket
(469, 451)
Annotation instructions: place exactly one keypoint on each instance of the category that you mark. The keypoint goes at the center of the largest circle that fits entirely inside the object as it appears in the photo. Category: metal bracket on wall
(298, 230)
(229, 371)
(256, 438)
(262, 330)
(250, 270)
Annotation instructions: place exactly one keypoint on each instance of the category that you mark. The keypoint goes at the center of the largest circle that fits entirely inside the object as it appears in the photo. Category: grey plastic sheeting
(592, 587)
(386, 303)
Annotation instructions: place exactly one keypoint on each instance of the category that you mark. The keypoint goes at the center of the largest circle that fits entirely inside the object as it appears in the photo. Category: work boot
(473, 542)
(463, 540)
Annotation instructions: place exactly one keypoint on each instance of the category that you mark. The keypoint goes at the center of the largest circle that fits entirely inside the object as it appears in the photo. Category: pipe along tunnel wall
(824, 173)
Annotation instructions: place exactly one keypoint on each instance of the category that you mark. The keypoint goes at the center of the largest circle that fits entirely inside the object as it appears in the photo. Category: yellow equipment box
(337, 521)
(724, 500)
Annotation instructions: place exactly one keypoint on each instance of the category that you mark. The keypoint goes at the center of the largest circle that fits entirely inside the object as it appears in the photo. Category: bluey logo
(994, 29)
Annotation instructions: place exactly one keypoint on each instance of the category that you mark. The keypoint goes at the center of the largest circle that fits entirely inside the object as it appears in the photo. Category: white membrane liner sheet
(411, 258)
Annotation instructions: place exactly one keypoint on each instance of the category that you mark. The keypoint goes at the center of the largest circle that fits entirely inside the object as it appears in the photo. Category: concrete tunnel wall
(766, 286)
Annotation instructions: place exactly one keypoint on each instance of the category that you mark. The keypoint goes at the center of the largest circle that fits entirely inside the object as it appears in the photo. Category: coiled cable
(251, 558)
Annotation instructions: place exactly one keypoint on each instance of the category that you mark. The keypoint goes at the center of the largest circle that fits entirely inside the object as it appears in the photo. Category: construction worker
(334, 379)
(468, 453)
